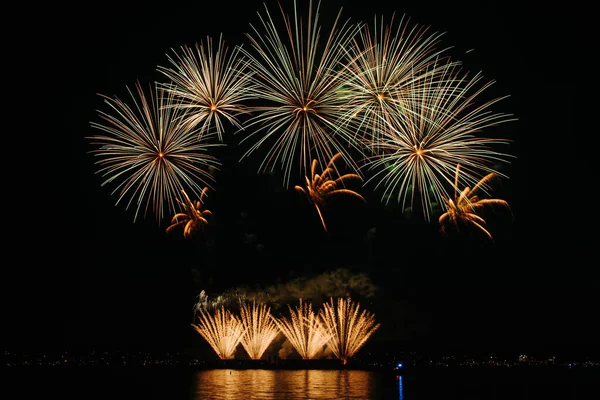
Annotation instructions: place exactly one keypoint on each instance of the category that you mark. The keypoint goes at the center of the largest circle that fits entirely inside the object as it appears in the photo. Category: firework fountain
(222, 330)
(260, 329)
(348, 327)
(304, 330)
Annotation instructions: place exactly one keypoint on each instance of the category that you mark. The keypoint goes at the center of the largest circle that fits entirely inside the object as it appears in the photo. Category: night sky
(95, 279)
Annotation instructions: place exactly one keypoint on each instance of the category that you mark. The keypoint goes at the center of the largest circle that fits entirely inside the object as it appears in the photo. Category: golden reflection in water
(231, 384)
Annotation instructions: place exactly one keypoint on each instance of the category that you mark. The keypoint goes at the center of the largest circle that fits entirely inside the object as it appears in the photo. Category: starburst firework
(417, 157)
(388, 65)
(221, 329)
(348, 326)
(297, 82)
(145, 148)
(211, 83)
(260, 329)
(304, 330)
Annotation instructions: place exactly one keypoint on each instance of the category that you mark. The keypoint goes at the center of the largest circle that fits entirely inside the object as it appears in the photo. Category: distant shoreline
(403, 364)
(290, 365)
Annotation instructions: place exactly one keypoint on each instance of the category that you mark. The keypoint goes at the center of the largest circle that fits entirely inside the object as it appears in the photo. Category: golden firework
(297, 79)
(221, 329)
(304, 330)
(193, 217)
(442, 125)
(147, 152)
(260, 329)
(210, 83)
(462, 209)
(348, 327)
(320, 187)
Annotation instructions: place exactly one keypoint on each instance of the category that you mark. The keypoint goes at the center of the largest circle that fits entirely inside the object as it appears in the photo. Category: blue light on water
(400, 391)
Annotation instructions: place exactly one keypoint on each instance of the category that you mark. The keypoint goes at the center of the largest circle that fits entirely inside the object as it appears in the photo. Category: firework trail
(221, 329)
(297, 79)
(211, 83)
(149, 154)
(348, 327)
(260, 329)
(304, 330)
(416, 159)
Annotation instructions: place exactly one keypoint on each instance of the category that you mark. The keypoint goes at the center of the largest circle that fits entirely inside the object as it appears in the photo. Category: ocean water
(256, 384)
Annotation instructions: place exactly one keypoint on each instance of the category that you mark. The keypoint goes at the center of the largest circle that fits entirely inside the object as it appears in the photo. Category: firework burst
(349, 327)
(304, 330)
(260, 329)
(193, 218)
(388, 65)
(211, 83)
(461, 210)
(417, 157)
(321, 187)
(297, 81)
(222, 330)
(149, 154)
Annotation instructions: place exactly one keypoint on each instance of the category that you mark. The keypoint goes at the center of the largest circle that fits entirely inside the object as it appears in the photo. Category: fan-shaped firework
(416, 159)
(388, 65)
(320, 187)
(298, 80)
(304, 330)
(150, 153)
(462, 209)
(211, 83)
(260, 329)
(193, 216)
(221, 329)
(348, 327)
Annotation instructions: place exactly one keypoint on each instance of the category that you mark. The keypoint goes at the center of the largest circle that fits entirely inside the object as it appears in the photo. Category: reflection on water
(191, 384)
(225, 384)
(400, 391)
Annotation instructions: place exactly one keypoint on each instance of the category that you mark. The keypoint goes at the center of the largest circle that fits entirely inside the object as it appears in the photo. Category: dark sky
(100, 280)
